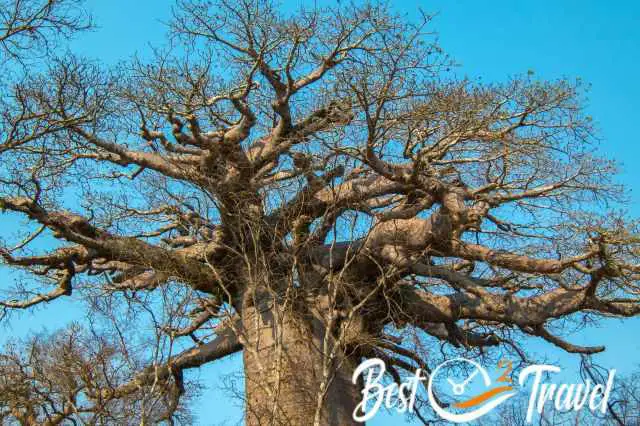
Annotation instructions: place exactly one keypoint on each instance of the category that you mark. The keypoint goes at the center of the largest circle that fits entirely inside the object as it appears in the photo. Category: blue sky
(595, 40)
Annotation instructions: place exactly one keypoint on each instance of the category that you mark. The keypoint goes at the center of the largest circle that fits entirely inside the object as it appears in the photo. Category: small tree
(309, 188)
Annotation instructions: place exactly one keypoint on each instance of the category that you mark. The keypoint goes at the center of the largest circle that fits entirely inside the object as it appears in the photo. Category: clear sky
(596, 40)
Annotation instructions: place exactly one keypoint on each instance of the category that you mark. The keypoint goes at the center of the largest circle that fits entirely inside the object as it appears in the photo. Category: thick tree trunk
(284, 372)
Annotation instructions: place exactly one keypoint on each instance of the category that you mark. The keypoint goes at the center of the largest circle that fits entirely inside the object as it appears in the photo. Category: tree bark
(284, 363)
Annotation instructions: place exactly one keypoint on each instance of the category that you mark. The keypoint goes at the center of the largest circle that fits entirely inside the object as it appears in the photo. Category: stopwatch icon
(458, 388)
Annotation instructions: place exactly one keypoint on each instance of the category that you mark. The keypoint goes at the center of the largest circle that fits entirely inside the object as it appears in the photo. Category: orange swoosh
(482, 397)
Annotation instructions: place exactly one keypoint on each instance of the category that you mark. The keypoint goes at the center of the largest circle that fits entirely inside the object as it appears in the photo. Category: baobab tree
(309, 188)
